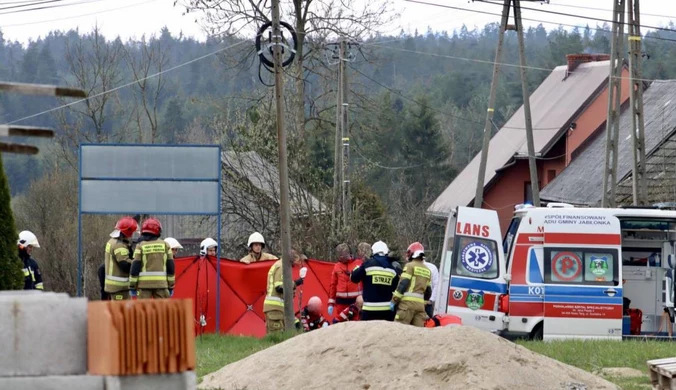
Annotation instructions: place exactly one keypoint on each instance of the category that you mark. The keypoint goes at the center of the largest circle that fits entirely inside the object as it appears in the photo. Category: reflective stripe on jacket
(116, 258)
(153, 266)
(342, 290)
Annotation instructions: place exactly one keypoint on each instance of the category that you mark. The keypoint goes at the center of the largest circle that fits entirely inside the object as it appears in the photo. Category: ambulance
(560, 272)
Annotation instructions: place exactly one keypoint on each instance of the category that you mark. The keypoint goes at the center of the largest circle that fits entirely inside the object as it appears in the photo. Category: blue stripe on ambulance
(474, 284)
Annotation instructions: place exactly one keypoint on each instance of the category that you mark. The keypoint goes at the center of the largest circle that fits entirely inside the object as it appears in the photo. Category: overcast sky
(133, 18)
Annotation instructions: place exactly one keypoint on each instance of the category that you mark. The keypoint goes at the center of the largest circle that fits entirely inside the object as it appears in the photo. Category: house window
(586, 266)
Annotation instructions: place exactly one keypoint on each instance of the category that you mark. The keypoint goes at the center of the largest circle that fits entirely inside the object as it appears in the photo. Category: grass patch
(592, 356)
(216, 351)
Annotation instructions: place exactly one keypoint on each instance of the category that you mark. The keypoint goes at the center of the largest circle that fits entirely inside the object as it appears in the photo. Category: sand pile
(384, 355)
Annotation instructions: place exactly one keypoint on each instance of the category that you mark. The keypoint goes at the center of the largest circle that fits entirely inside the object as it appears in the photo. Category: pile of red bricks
(136, 337)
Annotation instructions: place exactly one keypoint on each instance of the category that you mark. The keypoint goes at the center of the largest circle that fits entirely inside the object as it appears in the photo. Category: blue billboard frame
(217, 214)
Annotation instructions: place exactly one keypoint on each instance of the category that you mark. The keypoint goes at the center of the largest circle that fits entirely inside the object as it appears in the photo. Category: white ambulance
(561, 271)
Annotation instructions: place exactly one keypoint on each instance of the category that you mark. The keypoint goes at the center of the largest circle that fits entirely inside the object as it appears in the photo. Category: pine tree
(11, 277)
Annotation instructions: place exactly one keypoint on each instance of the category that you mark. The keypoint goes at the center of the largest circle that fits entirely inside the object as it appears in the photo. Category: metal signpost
(153, 179)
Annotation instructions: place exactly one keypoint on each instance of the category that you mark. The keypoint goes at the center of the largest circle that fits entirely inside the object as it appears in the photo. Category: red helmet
(126, 226)
(415, 250)
(152, 226)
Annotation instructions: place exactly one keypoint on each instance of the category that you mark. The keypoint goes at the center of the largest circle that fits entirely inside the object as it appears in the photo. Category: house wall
(594, 116)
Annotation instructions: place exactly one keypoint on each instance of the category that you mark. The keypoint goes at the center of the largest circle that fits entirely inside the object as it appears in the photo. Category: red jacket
(350, 313)
(342, 290)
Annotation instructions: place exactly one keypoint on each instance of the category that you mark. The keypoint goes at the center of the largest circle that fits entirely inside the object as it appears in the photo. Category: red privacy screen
(242, 290)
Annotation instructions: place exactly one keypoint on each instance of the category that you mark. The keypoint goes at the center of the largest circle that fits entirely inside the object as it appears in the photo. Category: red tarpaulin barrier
(242, 290)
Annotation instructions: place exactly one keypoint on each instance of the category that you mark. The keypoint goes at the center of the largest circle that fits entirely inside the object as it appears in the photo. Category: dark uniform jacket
(379, 278)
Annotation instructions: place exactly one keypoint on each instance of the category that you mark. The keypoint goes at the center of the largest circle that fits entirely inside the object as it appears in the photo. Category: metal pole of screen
(218, 253)
(79, 224)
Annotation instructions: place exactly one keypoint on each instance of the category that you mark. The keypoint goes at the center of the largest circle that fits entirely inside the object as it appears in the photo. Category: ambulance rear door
(473, 266)
(582, 274)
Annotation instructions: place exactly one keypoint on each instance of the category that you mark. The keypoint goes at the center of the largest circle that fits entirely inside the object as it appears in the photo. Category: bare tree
(94, 67)
(147, 92)
(314, 22)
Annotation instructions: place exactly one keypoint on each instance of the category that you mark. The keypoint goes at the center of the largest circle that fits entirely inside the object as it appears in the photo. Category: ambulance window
(476, 258)
(587, 266)
(508, 241)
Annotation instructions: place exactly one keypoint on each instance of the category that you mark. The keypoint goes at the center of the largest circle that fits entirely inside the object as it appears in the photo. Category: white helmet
(206, 244)
(256, 238)
(28, 238)
(380, 248)
(173, 243)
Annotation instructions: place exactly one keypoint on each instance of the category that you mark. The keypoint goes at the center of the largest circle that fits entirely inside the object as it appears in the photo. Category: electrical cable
(130, 83)
(4, 26)
(580, 16)
(657, 37)
(46, 7)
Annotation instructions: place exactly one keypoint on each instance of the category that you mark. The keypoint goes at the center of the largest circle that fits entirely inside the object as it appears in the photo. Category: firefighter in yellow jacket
(118, 259)
(256, 244)
(414, 289)
(273, 307)
(152, 271)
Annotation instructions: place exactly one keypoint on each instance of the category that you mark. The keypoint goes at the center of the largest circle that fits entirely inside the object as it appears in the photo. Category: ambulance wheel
(537, 332)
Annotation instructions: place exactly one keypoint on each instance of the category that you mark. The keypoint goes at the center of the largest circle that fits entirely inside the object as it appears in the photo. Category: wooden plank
(25, 131)
(42, 89)
(18, 148)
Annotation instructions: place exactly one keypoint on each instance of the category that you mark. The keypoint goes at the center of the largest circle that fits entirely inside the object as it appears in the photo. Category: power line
(77, 16)
(601, 9)
(49, 6)
(657, 37)
(484, 61)
(130, 83)
(579, 16)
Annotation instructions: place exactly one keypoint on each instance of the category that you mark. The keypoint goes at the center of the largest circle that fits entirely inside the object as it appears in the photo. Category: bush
(11, 277)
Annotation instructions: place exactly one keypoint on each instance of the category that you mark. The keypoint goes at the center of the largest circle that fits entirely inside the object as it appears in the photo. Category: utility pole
(338, 156)
(344, 106)
(284, 211)
(614, 104)
(532, 163)
(640, 190)
(504, 26)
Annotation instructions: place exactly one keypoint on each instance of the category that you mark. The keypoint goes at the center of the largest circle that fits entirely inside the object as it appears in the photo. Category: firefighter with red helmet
(117, 260)
(152, 271)
(311, 317)
(350, 313)
(342, 291)
(414, 289)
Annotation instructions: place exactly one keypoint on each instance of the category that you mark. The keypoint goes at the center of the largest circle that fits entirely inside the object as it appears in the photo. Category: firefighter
(256, 244)
(208, 247)
(351, 313)
(31, 272)
(379, 281)
(174, 245)
(152, 271)
(429, 305)
(311, 317)
(342, 292)
(273, 306)
(117, 259)
(415, 287)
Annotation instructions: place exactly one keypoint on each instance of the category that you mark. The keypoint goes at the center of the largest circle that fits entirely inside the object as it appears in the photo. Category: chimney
(574, 60)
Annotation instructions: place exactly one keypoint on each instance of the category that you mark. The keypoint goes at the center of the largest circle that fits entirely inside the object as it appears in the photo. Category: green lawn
(213, 352)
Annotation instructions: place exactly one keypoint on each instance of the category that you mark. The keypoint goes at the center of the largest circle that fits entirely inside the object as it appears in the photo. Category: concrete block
(42, 336)
(69, 382)
(182, 381)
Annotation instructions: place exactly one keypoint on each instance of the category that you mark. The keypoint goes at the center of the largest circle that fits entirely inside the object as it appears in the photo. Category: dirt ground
(384, 355)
